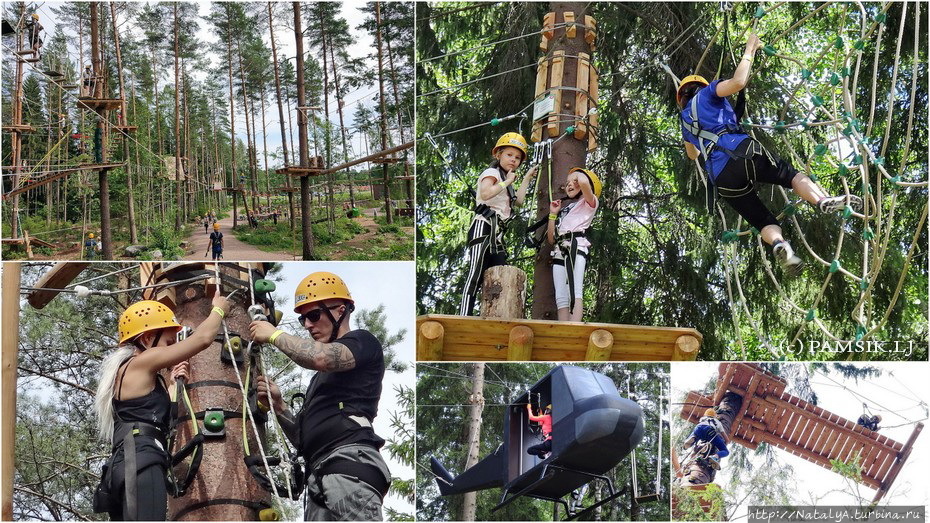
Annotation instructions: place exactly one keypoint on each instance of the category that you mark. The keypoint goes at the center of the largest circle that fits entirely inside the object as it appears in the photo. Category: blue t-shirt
(703, 431)
(714, 114)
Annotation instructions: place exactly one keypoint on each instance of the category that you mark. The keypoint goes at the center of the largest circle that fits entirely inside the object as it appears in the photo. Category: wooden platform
(61, 174)
(386, 159)
(469, 338)
(124, 128)
(21, 128)
(770, 415)
(99, 104)
(300, 171)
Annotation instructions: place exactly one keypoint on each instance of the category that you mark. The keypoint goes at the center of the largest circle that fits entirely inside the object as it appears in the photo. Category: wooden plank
(99, 104)
(747, 400)
(899, 463)
(724, 382)
(555, 84)
(58, 277)
(581, 97)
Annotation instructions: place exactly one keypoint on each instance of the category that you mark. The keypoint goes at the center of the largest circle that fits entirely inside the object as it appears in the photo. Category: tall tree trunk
(342, 125)
(133, 234)
(177, 121)
(106, 234)
(476, 399)
(327, 135)
(250, 144)
(277, 88)
(16, 139)
(567, 152)
(232, 118)
(265, 150)
(307, 233)
(389, 216)
(408, 184)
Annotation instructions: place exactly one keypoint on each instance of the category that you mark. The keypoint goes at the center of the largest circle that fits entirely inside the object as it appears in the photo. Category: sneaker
(790, 262)
(838, 203)
(714, 462)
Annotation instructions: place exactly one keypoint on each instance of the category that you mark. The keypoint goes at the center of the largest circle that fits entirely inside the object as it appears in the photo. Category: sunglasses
(315, 314)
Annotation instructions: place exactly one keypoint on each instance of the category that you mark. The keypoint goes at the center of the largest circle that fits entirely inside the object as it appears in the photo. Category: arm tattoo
(311, 354)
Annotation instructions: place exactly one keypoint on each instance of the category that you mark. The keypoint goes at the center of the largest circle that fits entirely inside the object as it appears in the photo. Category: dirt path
(233, 249)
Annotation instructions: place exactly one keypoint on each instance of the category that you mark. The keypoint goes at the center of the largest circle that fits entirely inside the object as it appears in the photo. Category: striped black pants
(485, 250)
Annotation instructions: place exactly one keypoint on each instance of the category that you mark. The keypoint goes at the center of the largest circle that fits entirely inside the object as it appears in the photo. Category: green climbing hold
(811, 314)
(729, 236)
(770, 50)
(262, 285)
(834, 79)
(495, 121)
(867, 234)
(838, 43)
(820, 149)
(835, 266)
(881, 17)
(760, 12)
(879, 160)
(817, 100)
(806, 74)
(570, 129)
(859, 45)
(213, 420)
(844, 171)
(847, 212)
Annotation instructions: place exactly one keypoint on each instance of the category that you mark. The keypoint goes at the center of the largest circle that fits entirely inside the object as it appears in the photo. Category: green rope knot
(847, 131)
(729, 236)
(859, 45)
(746, 122)
(881, 17)
(811, 314)
(879, 160)
(817, 100)
(847, 212)
(754, 231)
(895, 180)
(780, 126)
(495, 121)
(846, 72)
(867, 234)
(789, 210)
(844, 171)
(860, 332)
(760, 12)
(838, 43)
(770, 50)
(863, 284)
(814, 177)
(806, 74)
(856, 161)
(820, 149)
(835, 266)
(834, 79)
(805, 125)
(570, 129)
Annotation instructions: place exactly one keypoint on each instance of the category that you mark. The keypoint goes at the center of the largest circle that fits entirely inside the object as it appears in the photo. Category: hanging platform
(124, 128)
(300, 171)
(21, 128)
(470, 338)
(99, 104)
(53, 74)
(386, 159)
(770, 415)
(51, 177)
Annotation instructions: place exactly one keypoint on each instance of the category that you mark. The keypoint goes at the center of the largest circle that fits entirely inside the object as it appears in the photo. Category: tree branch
(59, 380)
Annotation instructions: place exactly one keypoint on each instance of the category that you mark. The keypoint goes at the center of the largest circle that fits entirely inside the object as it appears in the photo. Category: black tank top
(153, 408)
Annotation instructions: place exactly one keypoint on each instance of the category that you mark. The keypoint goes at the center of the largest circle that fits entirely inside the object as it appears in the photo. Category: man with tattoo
(347, 477)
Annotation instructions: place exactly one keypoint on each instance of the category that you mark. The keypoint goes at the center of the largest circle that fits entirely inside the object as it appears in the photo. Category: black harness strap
(213, 383)
(255, 505)
(362, 471)
(200, 415)
(125, 435)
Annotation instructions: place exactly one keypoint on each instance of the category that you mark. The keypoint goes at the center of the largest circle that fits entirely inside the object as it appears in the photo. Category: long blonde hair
(103, 403)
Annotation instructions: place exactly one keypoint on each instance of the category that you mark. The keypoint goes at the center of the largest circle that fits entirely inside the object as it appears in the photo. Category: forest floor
(233, 249)
(370, 241)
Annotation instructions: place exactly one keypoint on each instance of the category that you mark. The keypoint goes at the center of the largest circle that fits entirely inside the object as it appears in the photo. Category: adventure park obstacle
(765, 413)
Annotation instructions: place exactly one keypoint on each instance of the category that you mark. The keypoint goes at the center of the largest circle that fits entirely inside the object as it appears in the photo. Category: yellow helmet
(690, 79)
(144, 316)
(35, 17)
(320, 286)
(596, 184)
(511, 140)
(216, 225)
(90, 235)
(710, 413)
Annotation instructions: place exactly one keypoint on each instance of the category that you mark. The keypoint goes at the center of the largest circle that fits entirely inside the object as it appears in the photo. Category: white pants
(560, 279)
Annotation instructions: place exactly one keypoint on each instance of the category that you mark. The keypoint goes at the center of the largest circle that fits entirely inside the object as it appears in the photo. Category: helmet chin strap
(336, 323)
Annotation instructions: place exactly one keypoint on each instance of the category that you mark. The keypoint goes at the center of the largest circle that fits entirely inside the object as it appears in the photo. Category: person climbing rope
(707, 437)
(495, 201)
(544, 419)
(92, 247)
(133, 406)
(869, 422)
(568, 223)
(347, 477)
(735, 163)
(216, 243)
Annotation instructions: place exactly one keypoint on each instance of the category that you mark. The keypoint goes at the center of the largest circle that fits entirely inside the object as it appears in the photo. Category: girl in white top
(566, 231)
(495, 199)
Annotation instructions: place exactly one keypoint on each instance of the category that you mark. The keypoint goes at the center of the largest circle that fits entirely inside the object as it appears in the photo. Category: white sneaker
(838, 203)
(789, 261)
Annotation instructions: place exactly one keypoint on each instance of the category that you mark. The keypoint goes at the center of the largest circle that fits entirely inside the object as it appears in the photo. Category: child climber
(709, 431)
(545, 421)
(568, 223)
(216, 243)
(495, 202)
(735, 163)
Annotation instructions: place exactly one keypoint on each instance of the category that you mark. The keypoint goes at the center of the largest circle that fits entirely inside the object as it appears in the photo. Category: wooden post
(12, 272)
(503, 292)
(16, 138)
(388, 213)
(470, 499)
(568, 151)
(131, 211)
(429, 341)
(686, 348)
(520, 347)
(306, 224)
(213, 384)
(600, 345)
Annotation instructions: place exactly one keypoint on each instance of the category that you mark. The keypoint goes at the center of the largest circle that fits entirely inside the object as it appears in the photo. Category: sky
(814, 480)
(284, 40)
